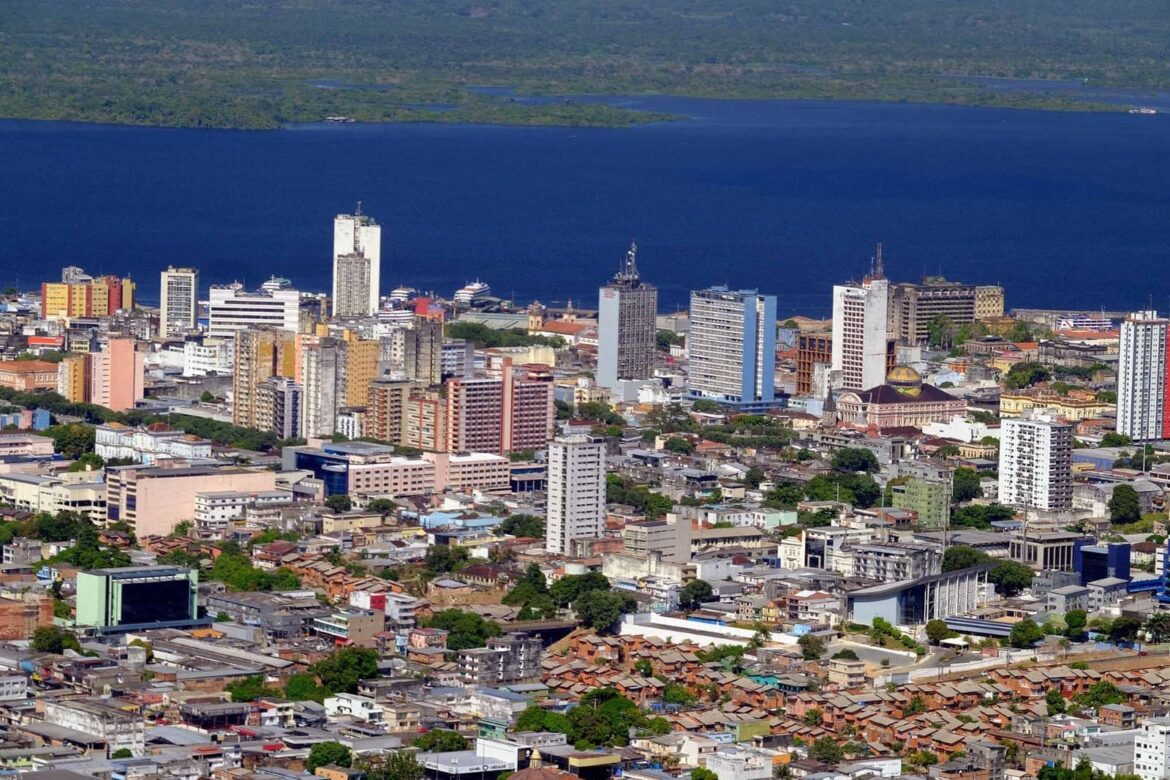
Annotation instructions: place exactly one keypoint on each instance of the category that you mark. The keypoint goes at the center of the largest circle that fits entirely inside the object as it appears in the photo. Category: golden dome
(905, 380)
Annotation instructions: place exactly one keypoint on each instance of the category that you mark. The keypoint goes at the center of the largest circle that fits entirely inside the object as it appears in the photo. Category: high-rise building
(627, 309)
(860, 324)
(475, 415)
(278, 407)
(916, 307)
(386, 410)
(426, 420)
(179, 292)
(731, 346)
(357, 264)
(513, 412)
(322, 376)
(116, 378)
(814, 352)
(1143, 377)
(529, 408)
(73, 378)
(1035, 464)
(423, 351)
(231, 309)
(576, 491)
(100, 297)
(361, 367)
(260, 353)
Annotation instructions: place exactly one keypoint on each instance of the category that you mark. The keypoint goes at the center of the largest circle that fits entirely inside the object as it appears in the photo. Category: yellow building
(260, 354)
(73, 378)
(98, 297)
(988, 302)
(1074, 407)
(361, 367)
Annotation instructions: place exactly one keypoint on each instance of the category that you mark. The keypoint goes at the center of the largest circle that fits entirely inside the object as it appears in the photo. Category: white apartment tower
(627, 311)
(1142, 387)
(1035, 464)
(357, 264)
(232, 310)
(179, 290)
(322, 372)
(1151, 750)
(860, 325)
(576, 491)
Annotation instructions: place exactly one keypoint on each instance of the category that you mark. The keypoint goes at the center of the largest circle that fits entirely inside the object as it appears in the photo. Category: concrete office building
(627, 309)
(153, 500)
(137, 597)
(860, 324)
(1035, 464)
(232, 310)
(731, 347)
(915, 307)
(323, 377)
(576, 491)
(357, 264)
(1143, 388)
(179, 291)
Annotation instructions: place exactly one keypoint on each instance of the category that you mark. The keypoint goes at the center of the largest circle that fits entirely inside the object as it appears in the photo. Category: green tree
(53, 639)
(853, 459)
(845, 655)
(397, 765)
(679, 445)
(1010, 578)
(445, 558)
(328, 753)
(937, 631)
(754, 476)
(207, 397)
(695, 593)
(965, 485)
(383, 506)
(916, 706)
(339, 503)
(249, 689)
(570, 588)
(811, 647)
(826, 749)
(72, 440)
(440, 741)
(1158, 627)
(703, 773)
(1101, 694)
(1124, 629)
(813, 717)
(341, 671)
(1025, 634)
(1114, 439)
(643, 667)
(304, 687)
(1125, 505)
(599, 610)
(1055, 702)
(522, 526)
(1074, 623)
(674, 693)
(962, 556)
(464, 629)
(122, 753)
(89, 461)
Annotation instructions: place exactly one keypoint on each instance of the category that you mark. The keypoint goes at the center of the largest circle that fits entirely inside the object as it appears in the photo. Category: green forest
(261, 63)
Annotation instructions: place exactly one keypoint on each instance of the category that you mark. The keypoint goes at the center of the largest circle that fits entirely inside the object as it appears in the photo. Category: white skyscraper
(576, 491)
(731, 347)
(1151, 749)
(357, 264)
(860, 325)
(179, 290)
(627, 309)
(1142, 387)
(1035, 464)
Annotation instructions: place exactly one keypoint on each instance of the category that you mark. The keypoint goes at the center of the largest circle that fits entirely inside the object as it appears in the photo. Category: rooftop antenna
(879, 270)
(358, 211)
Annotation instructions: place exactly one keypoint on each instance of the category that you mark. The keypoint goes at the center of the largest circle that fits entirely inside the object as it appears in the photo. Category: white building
(348, 705)
(215, 508)
(1151, 750)
(211, 357)
(731, 346)
(231, 310)
(627, 311)
(740, 763)
(323, 378)
(1142, 377)
(179, 290)
(1035, 464)
(148, 445)
(357, 264)
(860, 325)
(576, 491)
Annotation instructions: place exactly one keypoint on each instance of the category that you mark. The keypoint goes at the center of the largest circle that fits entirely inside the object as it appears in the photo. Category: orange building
(100, 297)
(27, 375)
(20, 617)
